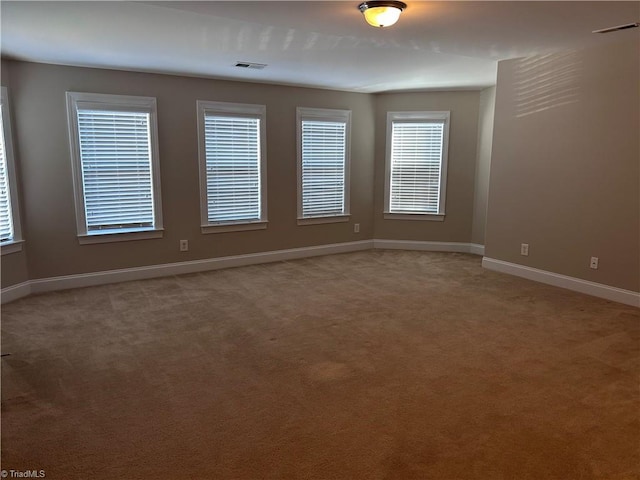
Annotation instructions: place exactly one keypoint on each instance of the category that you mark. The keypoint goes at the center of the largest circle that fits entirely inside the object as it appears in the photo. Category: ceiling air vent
(255, 66)
(619, 27)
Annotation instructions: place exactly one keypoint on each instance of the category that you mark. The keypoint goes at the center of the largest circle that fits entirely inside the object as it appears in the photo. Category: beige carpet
(371, 365)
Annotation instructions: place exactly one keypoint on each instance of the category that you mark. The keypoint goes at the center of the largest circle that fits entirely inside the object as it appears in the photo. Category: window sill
(11, 247)
(119, 237)
(415, 216)
(233, 227)
(320, 220)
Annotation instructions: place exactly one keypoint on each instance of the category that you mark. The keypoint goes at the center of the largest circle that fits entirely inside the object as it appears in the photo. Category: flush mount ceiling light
(381, 13)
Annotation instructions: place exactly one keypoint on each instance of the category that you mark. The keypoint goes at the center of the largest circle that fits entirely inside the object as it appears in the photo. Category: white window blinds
(416, 166)
(323, 168)
(232, 157)
(6, 220)
(323, 165)
(115, 153)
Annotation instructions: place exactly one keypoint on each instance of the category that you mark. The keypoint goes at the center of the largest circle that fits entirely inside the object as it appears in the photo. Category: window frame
(326, 115)
(15, 244)
(417, 117)
(239, 110)
(82, 100)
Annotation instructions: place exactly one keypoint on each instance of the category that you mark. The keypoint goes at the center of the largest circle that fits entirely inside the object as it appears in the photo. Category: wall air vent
(619, 27)
(255, 66)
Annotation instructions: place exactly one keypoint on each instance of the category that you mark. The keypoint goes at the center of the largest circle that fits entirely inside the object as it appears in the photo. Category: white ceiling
(327, 44)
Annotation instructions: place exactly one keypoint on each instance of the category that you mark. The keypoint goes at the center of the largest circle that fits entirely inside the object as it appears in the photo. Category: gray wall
(483, 164)
(37, 94)
(565, 173)
(463, 133)
(14, 268)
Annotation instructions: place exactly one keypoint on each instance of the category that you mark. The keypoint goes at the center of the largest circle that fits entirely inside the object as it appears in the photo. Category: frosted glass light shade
(382, 16)
(382, 13)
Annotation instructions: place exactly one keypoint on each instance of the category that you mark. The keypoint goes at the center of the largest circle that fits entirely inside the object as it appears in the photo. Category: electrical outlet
(524, 249)
(184, 245)
(594, 263)
(356, 228)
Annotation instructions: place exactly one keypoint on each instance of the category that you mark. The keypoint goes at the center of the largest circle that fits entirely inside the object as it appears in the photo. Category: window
(323, 165)
(10, 233)
(416, 165)
(232, 148)
(116, 174)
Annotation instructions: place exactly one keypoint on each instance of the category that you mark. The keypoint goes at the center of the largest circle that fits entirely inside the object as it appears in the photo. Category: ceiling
(326, 44)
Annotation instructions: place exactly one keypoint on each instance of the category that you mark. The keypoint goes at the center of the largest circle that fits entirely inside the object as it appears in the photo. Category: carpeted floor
(369, 365)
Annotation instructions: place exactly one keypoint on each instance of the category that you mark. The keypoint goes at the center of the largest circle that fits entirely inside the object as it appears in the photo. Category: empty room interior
(320, 240)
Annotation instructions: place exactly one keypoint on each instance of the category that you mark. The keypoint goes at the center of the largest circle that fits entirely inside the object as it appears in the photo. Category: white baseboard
(24, 289)
(614, 294)
(476, 249)
(163, 270)
(14, 292)
(430, 246)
